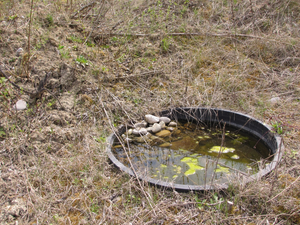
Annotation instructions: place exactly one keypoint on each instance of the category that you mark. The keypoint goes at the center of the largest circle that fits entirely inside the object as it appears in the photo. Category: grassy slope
(53, 165)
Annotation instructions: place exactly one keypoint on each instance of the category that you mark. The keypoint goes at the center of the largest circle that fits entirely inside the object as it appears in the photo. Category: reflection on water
(196, 157)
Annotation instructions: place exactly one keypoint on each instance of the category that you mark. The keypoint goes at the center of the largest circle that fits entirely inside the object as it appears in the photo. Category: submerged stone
(163, 133)
(165, 145)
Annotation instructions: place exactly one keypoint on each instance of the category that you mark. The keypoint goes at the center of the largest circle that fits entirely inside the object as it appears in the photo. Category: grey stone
(149, 129)
(135, 132)
(173, 124)
(165, 119)
(19, 52)
(156, 128)
(140, 124)
(20, 105)
(274, 100)
(151, 119)
(162, 124)
(143, 131)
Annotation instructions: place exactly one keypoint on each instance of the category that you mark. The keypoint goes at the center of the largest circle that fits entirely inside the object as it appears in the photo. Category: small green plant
(2, 132)
(277, 126)
(121, 58)
(165, 44)
(96, 72)
(73, 38)
(81, 60)
(95, 208)
(114, 39)
(100, 139)
(65, 54)
(12, 60)
(10, 18)
(75, 48)
(60, 47)
(51, 103)
(104, 69)
(49, 20)
(90, 44)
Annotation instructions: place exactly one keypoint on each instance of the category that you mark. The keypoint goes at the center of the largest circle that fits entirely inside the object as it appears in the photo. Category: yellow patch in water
(218, 149)
(222, 169)
(193, 164)
(189, 172)
(235, 157)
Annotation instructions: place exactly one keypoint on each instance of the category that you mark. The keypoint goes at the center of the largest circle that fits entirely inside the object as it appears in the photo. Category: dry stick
(219, 155)
(112, 128)
(95, 23)
(15, 85)
(195, 34)
(29, 34)
(40, 89)
(140, 75)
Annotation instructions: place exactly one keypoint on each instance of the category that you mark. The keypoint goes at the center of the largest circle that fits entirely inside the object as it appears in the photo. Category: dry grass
(141, 57)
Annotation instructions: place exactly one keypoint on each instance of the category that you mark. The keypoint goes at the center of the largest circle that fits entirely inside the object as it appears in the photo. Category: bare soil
(88, 67)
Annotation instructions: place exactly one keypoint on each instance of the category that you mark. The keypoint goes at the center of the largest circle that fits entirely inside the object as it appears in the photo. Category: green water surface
(197, 156)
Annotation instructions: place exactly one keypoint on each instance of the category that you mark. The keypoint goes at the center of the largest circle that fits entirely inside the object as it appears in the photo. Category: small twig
(29, 34)
(194, 34)
(140, 75)
(219, 155)
(15, 85)
(97, 19)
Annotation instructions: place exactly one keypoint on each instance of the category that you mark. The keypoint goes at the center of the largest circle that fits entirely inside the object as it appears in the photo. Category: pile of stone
(151, 130)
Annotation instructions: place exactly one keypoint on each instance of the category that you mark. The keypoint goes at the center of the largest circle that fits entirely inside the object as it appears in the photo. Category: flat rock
(163, 133)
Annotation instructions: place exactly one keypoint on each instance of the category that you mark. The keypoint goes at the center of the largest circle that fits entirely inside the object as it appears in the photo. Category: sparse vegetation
(143, 57)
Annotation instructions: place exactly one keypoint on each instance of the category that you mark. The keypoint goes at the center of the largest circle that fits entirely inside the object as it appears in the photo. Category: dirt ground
(86, 67)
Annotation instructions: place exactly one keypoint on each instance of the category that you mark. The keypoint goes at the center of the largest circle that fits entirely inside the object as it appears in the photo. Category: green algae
(235, 157)
(193, 165)
(222, 169)
(218, 149)
(191, 159)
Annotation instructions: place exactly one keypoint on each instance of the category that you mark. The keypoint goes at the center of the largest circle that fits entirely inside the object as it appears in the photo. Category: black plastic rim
(213, 117)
